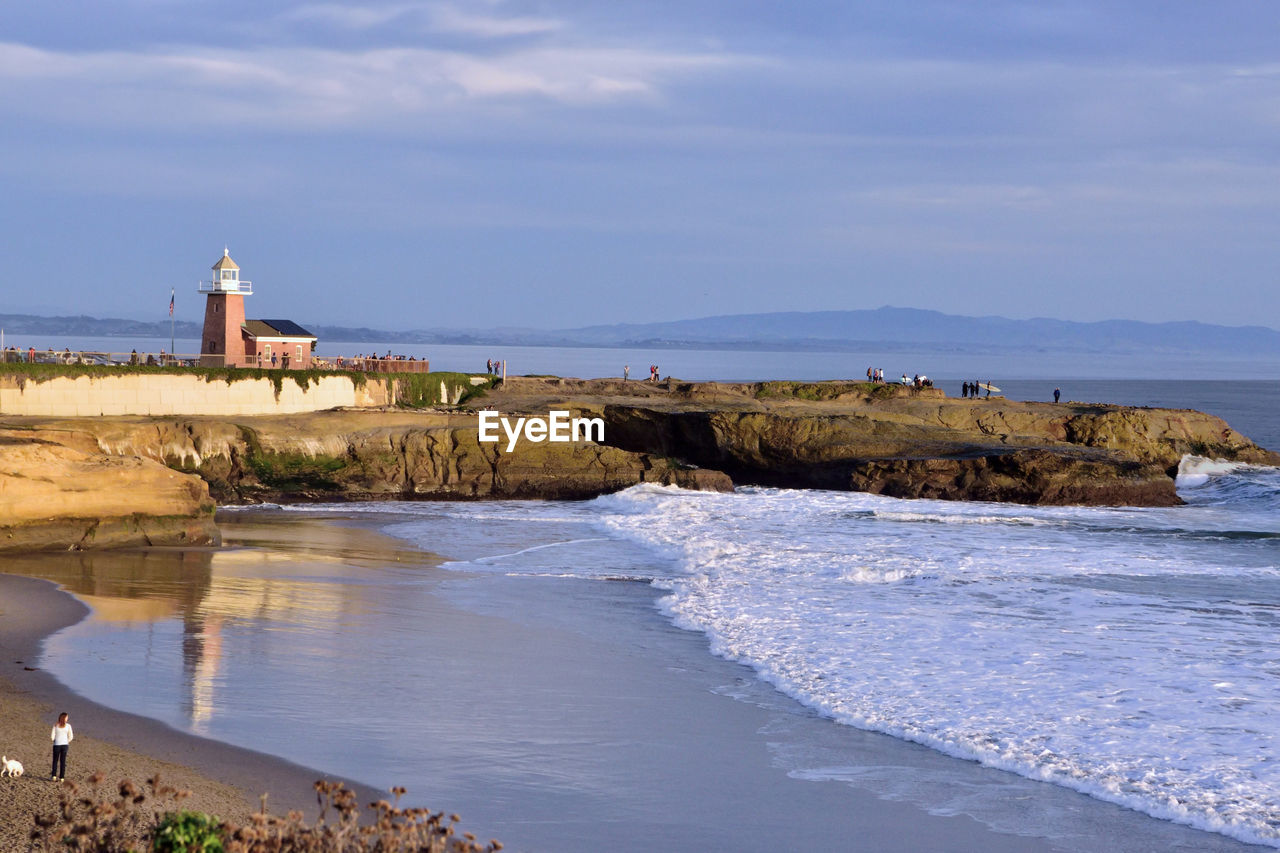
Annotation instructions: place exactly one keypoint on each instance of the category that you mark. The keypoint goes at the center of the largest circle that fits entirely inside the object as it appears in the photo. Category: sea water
(1126, 653)
(1129, 654)
(952, 365)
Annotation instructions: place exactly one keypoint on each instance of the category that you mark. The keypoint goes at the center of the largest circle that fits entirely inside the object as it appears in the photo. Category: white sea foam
(1196, 470)
(1116, 652)
(500, 557)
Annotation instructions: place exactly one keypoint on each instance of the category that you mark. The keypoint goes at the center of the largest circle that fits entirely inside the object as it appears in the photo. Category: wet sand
(225, 780)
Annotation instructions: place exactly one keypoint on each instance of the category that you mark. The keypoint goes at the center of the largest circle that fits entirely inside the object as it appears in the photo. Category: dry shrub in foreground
(131, 820)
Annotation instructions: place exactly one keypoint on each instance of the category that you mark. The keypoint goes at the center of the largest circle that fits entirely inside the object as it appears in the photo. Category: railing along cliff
(167, 359)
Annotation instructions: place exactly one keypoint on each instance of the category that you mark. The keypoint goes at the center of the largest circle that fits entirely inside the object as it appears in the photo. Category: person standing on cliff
(1057, 393)
(626, 372)
(61, 737)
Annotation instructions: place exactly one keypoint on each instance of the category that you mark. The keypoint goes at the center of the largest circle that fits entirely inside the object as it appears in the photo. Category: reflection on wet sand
(208, 590)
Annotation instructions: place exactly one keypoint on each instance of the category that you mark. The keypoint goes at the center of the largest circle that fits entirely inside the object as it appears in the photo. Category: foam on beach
(1060, 647)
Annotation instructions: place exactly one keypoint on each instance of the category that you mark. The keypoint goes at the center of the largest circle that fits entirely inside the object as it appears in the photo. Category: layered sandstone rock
(61, 496)
(357, 455)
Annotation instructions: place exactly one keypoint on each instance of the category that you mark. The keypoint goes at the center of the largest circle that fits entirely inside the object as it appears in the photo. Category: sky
(488, 163)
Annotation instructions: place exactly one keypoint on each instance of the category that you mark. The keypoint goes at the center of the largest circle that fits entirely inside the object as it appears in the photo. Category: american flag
(171, 302)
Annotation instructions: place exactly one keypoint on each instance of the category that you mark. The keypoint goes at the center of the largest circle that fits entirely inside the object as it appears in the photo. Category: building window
(213, 346)
(299, 352)
(216, 307)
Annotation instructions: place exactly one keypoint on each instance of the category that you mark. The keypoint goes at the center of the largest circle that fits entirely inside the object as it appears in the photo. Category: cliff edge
(59, 493)
(92, 482)
(899, 441)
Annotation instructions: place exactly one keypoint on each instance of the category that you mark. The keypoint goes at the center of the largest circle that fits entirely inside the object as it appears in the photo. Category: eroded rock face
(375, 455)
(63, 496)
(1023, 453)
(1021, 476)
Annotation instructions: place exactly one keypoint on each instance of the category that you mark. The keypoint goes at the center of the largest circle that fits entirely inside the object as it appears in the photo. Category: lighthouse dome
(225, 262)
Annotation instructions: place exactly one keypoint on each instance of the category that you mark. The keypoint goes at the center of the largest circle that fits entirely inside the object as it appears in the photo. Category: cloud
(446, 18)
(274, 87)
(427, 17)
(352, 17)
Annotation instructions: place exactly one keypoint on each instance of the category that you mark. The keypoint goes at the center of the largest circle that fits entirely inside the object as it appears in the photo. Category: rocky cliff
(59, 491)
(93, 481)
(899, 441)
(362, 455)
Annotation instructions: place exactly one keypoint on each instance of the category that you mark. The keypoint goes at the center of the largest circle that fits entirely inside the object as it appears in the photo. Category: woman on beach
(62, 736)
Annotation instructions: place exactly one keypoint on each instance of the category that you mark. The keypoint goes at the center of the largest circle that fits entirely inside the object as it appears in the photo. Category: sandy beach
(224, 780)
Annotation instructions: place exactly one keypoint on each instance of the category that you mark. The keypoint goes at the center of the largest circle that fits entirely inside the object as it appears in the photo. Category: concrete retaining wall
(134, 394)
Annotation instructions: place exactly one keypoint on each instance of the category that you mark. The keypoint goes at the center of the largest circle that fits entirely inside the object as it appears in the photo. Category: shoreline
(225, 779)
(736, 734)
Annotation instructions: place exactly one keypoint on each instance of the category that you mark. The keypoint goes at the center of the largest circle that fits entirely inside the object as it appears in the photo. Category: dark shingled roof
(270, 328)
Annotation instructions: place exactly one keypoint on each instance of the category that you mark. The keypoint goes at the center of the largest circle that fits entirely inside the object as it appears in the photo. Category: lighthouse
(232, 341)
(222, 344)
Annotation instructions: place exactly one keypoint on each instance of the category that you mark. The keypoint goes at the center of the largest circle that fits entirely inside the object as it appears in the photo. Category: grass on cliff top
(418, 390)
(413, 390)
(823, 390)
(38, 372)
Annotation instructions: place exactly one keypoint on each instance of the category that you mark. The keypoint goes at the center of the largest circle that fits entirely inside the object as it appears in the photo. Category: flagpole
(171, 347)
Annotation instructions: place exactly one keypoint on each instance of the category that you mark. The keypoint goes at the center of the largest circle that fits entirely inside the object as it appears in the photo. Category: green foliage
(818, 391)
(295, 471)
(290, 472)
(102, 821)
(880, 390)
(188, 832)
(800, 390)
(302, 378)
(419, 390)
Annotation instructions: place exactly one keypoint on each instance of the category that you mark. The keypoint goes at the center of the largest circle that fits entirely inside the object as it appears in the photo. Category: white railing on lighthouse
(238, 286)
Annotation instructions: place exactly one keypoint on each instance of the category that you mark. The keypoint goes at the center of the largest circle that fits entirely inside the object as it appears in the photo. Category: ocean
(1031, 654)
(743, 365)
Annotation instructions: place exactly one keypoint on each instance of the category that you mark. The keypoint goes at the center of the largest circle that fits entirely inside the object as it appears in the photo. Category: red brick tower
(223, 341)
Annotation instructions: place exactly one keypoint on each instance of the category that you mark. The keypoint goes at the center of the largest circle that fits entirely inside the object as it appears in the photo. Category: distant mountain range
(30, 324)
(882, 329)
(890, 328)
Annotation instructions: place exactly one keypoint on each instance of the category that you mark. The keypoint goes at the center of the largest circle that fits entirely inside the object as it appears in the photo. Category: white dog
(10, 767)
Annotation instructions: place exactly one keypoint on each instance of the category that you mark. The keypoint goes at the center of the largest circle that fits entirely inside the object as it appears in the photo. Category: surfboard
(987, 386)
